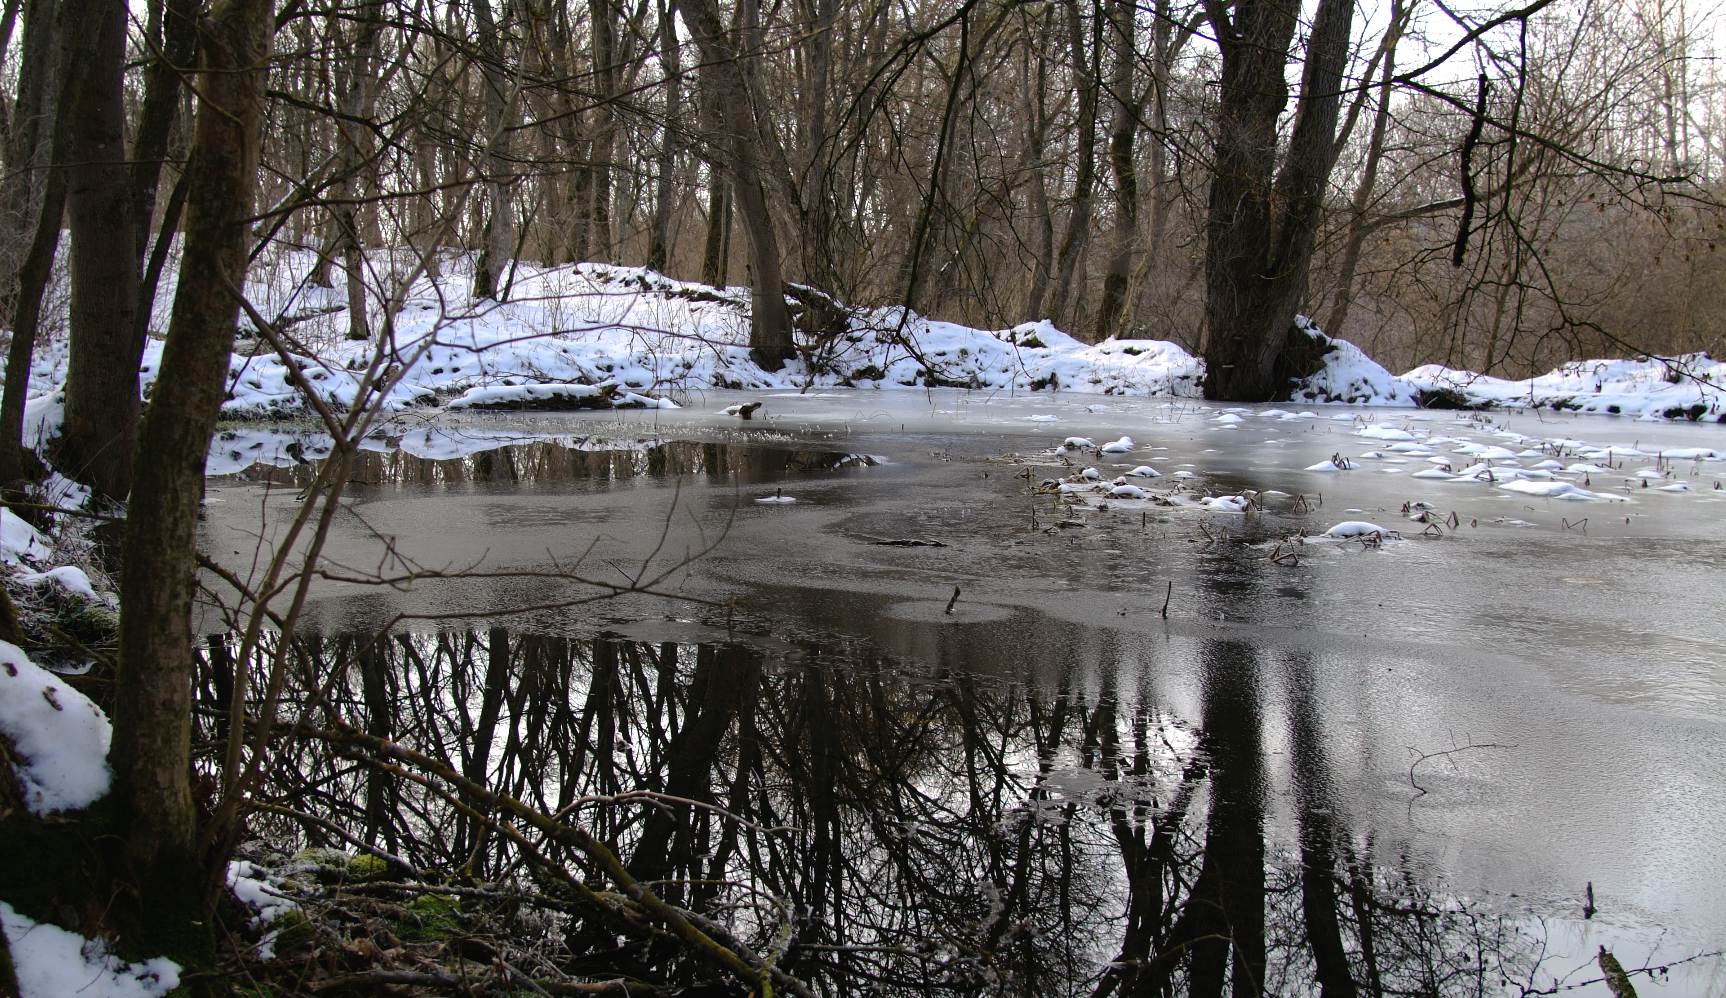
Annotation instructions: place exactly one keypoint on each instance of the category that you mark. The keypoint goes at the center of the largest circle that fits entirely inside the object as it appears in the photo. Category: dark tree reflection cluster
(873, 829)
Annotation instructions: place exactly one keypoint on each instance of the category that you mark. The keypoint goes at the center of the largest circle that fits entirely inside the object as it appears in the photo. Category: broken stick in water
(1168, 596)
(952, 601)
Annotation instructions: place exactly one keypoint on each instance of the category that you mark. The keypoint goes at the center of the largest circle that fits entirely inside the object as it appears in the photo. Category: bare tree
(97, 440)
(1262, 221)
(769, 322)
(151, 750)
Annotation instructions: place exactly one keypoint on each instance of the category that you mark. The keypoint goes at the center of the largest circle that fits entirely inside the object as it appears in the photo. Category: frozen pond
(1512, 698)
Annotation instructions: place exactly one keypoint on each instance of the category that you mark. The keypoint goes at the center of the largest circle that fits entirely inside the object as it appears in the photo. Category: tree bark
(604, 17)
(1261, 231)
(500, 108)
(716, 248)
(769, 321)
(1355, 240)
(151, 749)
(357, 104)
(1122, 134)
(176, 48)
(1036, 133)
(818, 202)
(102, 376)
(1078, 234)
(659, 249)
(34, 196)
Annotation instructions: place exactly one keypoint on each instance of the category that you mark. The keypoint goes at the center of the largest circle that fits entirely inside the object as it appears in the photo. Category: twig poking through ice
(1421, 757)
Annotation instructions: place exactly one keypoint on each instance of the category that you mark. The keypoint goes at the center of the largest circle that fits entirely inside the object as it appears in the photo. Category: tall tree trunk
(1355, 240)
(101, 425)
(151, 749)
(604, 17)
(1122, 134)
(356, 79)
(499, 110)
(817, 203)
(425, 207)
(1086, 74)
(1261, 225)
(33, 196)
(659, 248)
(716, 250)
(581, 193)
(175, 49)
(1042, 215)
(33, 275)
(769, 322)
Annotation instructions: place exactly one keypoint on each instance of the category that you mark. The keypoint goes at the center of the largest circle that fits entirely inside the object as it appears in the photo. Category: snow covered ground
(1685, 387)
(53, 963)
(591, 335)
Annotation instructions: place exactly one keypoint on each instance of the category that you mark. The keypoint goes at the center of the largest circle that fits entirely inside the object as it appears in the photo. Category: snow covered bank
(597, 336)
(589, 335)
(1692, 386)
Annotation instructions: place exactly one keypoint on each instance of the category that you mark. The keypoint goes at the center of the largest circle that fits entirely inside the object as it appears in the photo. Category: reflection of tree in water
(576, 460)
(878, 831)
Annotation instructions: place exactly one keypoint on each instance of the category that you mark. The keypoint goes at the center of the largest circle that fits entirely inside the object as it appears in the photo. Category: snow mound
(53, 963)
(1359, 528)
(1690, 386)
(19, 540)
(68, 577)
(1552, 490)
(60, 736)
(1348, 375)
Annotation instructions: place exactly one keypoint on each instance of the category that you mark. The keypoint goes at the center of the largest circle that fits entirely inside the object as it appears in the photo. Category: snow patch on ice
(1359, 528)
